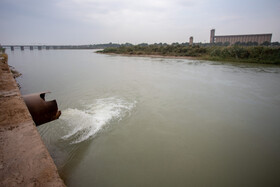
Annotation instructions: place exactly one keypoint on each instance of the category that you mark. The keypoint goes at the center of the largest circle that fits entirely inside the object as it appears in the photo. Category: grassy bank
(255, 54)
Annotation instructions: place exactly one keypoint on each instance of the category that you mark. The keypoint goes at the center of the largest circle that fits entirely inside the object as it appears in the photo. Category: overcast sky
(133, 21)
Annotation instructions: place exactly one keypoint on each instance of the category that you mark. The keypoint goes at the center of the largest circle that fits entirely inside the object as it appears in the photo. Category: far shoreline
(153, 56)
(234, 53)
(229, 61)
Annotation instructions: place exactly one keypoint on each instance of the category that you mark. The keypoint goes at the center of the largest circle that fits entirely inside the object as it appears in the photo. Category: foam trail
(84, 124)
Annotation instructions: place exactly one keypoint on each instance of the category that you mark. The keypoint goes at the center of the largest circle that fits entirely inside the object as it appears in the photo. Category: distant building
(191, 41)
(232, 39)
(212, 36)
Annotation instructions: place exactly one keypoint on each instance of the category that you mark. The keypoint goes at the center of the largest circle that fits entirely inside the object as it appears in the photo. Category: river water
(141, 121)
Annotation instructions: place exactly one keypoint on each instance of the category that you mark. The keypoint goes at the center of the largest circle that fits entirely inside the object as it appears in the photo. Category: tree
(266, 43)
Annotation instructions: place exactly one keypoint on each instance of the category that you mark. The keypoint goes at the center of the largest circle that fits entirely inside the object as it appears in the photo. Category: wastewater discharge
(83, 124)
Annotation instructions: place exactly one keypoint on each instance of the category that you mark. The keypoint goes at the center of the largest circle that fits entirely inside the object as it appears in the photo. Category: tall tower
(212, 36)
(191, 41)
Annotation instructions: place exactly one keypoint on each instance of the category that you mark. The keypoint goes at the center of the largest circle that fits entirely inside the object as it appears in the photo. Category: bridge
(47, 47)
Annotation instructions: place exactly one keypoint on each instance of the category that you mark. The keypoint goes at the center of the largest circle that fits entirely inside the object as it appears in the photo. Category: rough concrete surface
(24, 159)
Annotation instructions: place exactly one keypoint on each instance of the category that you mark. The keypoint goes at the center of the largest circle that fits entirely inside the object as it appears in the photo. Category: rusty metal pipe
(41, 111)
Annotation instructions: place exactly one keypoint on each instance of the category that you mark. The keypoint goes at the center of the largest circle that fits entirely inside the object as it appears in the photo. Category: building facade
(232, 39)
(191, 41)
(212, 36)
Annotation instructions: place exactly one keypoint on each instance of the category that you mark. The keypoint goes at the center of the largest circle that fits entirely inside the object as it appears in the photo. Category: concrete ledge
(24, 159)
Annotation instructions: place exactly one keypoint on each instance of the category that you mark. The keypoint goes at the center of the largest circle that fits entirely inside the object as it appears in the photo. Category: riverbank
(256, 54)
(24, 159)
(155, 56)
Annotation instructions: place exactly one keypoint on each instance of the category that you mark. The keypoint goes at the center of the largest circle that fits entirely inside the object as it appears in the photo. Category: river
(141, 121)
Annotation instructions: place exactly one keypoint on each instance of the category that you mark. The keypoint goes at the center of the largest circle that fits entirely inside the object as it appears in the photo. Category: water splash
(84, 124)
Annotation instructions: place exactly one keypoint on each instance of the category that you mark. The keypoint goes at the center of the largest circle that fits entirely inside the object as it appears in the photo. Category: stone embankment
(24, 159)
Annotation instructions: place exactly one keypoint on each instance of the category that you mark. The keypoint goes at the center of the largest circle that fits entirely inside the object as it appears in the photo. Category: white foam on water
(84, 124)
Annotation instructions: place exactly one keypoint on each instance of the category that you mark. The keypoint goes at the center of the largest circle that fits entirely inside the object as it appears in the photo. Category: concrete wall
(24, 159)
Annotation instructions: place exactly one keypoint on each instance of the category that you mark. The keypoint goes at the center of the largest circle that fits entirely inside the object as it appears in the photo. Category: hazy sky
(133, 21)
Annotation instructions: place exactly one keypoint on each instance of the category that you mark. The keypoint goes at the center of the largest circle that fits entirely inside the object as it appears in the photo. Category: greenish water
(139, 121)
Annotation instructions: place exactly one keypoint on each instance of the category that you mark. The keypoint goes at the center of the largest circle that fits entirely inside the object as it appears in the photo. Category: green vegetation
(4, 57)
(236, 53)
